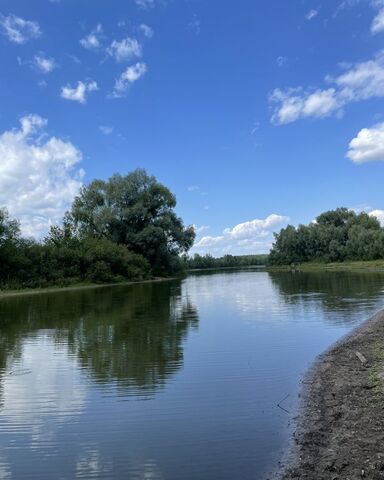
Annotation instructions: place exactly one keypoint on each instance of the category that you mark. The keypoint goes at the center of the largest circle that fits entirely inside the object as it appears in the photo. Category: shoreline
(36, 291)
(356, 265)
(340, 422)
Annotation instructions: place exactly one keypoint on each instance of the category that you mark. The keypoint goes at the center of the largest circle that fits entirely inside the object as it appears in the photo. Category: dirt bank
(36, 291)
(340, 428)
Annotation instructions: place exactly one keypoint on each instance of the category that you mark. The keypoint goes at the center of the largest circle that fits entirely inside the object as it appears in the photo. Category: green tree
(136, 211)
(335, 236)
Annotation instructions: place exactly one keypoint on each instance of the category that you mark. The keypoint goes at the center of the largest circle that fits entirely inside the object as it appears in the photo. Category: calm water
(175, 380)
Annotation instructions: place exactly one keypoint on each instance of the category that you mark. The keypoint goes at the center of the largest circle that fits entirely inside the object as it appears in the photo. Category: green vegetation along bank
(357, 265)
(200, 262)
(339, 235)
(123, 229)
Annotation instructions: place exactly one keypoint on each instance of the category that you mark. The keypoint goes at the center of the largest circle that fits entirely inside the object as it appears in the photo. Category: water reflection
(168, 381)
(130, 335)
(330, 292)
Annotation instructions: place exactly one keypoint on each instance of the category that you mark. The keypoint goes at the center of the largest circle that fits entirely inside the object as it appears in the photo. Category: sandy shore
(340, 427)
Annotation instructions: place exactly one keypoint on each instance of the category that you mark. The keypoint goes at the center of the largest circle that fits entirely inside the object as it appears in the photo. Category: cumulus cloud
(128, 78)
(379, 214)
(125, 50)
(78, 93)
(43, 64)
(359, 81)
(18, 30)
(378, 22)
(38, 175)
(93, 40)
(146, 30)
(368, 145)
(254, 236)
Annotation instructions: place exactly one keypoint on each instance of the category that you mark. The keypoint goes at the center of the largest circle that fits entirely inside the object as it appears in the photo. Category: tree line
(335, 236)
(227, 261)
(124, 228)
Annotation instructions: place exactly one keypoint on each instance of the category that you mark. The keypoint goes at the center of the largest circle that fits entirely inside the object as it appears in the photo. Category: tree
(136, 211)
(9, 243)
(335, 236)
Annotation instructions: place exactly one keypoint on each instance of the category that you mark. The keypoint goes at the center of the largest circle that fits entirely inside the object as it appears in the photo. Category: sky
(255, 114)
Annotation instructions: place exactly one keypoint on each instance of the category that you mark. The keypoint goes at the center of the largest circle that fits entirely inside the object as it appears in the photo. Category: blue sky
(253, 113)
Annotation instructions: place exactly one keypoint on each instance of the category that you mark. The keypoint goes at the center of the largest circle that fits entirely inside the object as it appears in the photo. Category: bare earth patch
(340, 432)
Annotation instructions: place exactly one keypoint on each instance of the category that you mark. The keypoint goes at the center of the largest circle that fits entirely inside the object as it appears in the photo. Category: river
(193, 379)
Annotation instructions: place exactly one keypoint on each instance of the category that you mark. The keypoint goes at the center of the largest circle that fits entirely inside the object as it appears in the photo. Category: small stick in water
(281, 401)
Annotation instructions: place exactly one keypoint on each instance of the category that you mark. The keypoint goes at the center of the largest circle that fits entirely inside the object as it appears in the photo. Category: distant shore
(340, 427)
(360, 265)
(35, 291)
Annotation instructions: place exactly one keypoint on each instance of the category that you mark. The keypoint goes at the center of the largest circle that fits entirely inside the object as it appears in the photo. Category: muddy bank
(37, 291)
(340, 427)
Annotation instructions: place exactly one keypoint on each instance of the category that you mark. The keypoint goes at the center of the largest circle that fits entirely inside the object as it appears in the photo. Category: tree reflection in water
(132, 335)
(333, 291)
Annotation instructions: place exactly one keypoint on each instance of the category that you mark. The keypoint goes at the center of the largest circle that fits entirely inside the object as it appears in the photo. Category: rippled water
(174, 380)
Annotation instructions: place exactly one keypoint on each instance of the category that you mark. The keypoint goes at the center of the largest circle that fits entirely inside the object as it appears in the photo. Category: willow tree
(136, 211)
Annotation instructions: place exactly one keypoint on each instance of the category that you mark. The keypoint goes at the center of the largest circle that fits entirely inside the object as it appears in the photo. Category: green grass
(371, 265)
(375, 378)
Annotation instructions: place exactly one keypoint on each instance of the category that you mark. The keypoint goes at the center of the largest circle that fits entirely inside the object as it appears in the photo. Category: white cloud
(127, 78)
(311, 14)
(200, 229)
(18, 30)
(146, 30)
(296, 103)
(38, 175)
(43, 64)
(359, 81)
(193, 188)
(145, 4)
(254, 236)
(379, 214)
(124, 50)
(93, 40)
(195, 25)
(78, 93)
(281, 61)
(74, 58)
(378, 22)
(368, 145)
(106, 129)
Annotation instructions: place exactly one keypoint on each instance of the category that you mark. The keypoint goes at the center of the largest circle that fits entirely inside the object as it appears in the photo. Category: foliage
(62, 259)
(136, 211)
(336, 236)
(228, 261)
(121, 229)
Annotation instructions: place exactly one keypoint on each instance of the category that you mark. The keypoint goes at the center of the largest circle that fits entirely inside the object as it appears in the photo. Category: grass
(375, 377)
(371, 266)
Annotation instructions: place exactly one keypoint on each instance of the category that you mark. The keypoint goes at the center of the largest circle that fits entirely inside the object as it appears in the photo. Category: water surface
(174, 380)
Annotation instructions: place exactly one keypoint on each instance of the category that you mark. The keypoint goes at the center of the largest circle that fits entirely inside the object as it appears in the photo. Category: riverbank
(340, 427)
(35, 291)
(361, 265)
